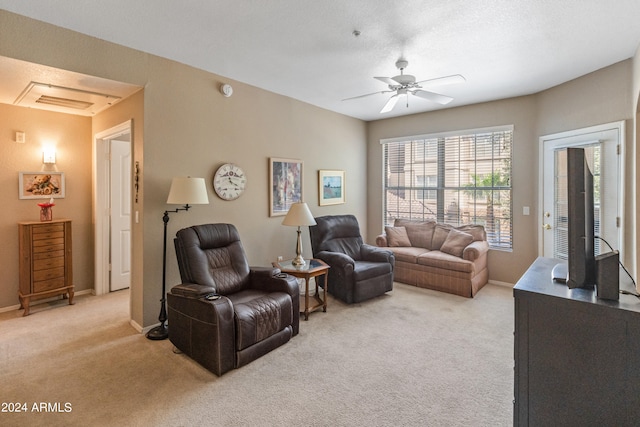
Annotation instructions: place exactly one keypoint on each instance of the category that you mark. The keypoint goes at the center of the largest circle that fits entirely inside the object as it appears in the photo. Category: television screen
(581, 260)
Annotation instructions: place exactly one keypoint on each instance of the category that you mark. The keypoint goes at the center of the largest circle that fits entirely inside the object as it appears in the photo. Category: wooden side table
(313, 268)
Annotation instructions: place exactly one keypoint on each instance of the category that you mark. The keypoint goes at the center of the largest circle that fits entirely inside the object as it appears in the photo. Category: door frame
(101, 203)
(618, 126)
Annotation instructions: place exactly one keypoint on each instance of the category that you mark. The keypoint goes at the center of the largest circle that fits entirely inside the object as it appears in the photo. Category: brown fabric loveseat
(438, 256)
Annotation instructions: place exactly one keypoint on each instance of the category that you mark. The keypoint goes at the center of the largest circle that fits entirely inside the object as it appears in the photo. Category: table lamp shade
(299, 214)
(188, 191)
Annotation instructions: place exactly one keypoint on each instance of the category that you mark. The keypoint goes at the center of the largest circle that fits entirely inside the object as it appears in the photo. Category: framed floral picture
(41, 185)
(285, 185)
(331, 187)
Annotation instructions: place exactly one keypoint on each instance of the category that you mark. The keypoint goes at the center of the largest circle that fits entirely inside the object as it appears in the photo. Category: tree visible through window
(456, 178)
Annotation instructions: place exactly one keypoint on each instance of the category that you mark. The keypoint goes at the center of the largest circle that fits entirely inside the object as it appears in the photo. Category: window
(454, 178)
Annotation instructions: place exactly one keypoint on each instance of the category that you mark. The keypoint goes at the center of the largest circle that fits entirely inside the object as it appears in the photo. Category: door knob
(547, 226)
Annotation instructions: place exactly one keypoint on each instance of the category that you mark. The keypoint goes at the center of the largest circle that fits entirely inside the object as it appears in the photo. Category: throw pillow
(397, 236)
(421, 235)
(456, 242)
(477, 231)
(439, 236)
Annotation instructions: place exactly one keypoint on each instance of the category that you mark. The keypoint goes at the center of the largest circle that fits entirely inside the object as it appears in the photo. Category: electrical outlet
(280, 258)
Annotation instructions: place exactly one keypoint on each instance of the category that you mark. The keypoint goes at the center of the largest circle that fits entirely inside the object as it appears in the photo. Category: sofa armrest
(375, 254)
(381, 241)
(475, 250)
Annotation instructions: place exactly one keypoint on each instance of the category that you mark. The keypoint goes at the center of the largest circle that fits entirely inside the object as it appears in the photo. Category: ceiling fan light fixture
(405, 84)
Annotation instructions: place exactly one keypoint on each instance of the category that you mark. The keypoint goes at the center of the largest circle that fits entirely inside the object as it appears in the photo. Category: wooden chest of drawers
(45, 261)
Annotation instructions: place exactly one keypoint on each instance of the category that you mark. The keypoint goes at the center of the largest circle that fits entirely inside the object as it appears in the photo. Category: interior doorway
(603, 146)
(112, 208)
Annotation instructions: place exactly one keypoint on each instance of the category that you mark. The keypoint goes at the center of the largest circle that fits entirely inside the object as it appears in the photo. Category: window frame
(469, 149)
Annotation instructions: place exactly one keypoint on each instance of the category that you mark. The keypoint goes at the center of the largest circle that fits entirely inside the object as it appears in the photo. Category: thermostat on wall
(226, 90)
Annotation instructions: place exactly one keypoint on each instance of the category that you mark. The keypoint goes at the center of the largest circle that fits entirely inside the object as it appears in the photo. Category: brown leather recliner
(226, 314)
(358, 271)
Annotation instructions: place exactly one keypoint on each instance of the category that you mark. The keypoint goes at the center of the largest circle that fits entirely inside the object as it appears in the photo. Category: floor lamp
(299, 215)
(184, 191)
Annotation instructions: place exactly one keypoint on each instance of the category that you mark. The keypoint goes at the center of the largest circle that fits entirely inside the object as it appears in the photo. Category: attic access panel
(64, 99)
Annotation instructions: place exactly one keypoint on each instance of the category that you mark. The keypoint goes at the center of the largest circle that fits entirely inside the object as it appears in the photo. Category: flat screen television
(581, 265)
(580, 271)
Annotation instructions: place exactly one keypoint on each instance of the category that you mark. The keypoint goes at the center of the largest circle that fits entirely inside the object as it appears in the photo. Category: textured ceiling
(306, 49)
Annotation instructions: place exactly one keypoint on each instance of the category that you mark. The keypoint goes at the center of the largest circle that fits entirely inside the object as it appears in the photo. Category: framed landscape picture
(331, 187)
(41, 185)
(285, 185)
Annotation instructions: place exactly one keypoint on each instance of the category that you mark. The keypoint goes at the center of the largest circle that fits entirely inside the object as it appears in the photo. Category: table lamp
(184, 191)
(298, 216)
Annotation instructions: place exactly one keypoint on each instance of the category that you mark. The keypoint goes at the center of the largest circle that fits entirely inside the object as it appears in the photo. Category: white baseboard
(504, 284)
(139, 328)
(43, 301)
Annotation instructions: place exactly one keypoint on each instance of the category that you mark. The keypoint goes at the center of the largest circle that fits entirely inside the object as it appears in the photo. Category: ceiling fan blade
(432, 96)
(368, 94)
(442, 81)
(390, 104)
(387, 80)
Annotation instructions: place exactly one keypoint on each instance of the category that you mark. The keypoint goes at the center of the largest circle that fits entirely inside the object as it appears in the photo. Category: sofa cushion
(397, 236)
(455, 242)
(445, 261)
(409, 254)
(440, 234)
(420, 232)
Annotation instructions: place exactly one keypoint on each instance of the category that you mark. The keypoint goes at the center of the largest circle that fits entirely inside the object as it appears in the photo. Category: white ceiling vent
(64, 99)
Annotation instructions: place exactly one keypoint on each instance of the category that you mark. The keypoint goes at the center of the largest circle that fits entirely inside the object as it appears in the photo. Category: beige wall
(132, 109)
(600, 97)
(189, 128)
(71, 136)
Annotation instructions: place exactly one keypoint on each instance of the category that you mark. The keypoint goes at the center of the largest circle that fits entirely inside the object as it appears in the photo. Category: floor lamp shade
(188, 191)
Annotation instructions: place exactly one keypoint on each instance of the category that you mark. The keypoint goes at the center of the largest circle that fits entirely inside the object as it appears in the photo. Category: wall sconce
(49, 157)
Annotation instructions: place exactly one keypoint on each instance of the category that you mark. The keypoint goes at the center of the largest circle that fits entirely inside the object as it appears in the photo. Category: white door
(602, 145)
(120, 202)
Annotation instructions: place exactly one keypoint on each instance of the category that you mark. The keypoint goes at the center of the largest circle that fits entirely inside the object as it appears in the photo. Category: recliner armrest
(263, 272)
(336, 259)
(376, 254)
(192, 290)
(270, 279)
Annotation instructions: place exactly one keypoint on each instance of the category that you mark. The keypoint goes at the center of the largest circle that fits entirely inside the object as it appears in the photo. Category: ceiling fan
(405, 84)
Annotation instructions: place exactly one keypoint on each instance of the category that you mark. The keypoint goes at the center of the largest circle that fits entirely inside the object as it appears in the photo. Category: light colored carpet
(413, 357)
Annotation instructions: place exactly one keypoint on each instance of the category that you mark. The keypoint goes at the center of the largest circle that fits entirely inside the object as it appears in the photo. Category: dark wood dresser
(45, 261)
(577, 357)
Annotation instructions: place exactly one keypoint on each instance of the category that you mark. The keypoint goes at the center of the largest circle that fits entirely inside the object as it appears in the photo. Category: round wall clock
(229, 181)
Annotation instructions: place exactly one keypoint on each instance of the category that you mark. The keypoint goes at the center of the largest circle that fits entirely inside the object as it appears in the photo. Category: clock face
(229, 181)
